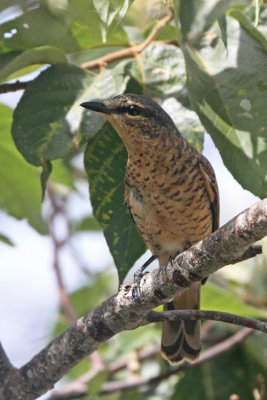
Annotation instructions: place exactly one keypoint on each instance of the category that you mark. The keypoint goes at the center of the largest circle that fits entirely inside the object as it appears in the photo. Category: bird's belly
(172, 225)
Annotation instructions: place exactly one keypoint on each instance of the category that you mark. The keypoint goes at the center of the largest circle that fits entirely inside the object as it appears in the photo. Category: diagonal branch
(130, 51)
(5, 365)
(74, 391)
(207, 355)
(228, 245)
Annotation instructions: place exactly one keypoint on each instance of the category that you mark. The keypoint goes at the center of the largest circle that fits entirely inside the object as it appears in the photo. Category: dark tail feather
(181, 339)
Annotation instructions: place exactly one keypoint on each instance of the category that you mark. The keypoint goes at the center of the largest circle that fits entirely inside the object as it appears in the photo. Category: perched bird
(172, 195)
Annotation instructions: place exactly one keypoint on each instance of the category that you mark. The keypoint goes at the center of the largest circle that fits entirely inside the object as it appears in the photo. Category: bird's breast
(169, 204)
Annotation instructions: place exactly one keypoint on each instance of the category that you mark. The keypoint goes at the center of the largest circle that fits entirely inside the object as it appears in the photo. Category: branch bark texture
(228, 245)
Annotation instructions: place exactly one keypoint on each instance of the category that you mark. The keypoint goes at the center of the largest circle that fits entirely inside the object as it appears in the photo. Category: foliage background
(219, 70)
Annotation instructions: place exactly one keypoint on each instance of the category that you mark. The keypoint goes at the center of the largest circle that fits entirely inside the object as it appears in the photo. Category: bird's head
(136, 118)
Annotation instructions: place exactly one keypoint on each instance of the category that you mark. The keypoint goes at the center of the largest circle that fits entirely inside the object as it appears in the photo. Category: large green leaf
(40, 55)
(35, 28)
(20, 194)
(105, 162)
(49, 122)
(198, 15)
(88, 28)
(228, 90)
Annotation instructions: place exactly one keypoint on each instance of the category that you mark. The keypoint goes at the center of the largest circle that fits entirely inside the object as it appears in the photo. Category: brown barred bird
(172, 195)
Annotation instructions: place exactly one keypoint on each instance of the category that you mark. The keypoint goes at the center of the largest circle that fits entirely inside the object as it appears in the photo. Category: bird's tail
(181, 339)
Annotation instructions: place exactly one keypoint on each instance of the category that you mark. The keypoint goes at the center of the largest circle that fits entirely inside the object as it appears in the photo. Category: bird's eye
(133, 110)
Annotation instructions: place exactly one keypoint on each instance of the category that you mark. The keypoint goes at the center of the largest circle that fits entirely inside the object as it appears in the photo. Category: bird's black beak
(95, 106)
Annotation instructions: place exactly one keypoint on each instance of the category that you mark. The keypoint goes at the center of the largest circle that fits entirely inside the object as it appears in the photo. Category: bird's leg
(138, 275)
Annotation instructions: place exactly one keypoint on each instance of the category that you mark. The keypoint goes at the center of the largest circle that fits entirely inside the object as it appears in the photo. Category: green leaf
(228, 91)
(128, 341)
(161, 70)
(222, 21)
(105, 162)
(80, 369)
(86, 298)
(30, 30)
(186, 121)
(89, 30)
(250, 13)
(88, 36)
(40, 55)
(49, 122)
(88, 224)
(217, 299)
(197, 16)
(95, 384)
(20, 194)
(5, 239)
(47, 169)
(62, 174)
(109, 10)
(244, 22)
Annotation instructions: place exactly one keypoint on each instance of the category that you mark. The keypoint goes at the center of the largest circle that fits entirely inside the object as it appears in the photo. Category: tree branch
(5, 365)
(101, 62)
(130, 51)
(176, 315)
(79, 387)
(75, 390)
(227, 245)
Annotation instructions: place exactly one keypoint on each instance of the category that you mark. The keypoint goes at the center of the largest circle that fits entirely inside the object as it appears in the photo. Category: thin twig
(13, 87)
(130, 51)
(206, 355)
(57, 244)
(65, 302)
(176, 315)
(79, 387)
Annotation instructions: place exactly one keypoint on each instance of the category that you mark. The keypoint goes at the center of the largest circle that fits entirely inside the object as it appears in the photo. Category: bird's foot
(136, 289)
(172, 257)
(138, 275)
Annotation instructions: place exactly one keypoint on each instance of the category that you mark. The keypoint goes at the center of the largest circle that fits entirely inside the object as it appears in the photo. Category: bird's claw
(136, 289)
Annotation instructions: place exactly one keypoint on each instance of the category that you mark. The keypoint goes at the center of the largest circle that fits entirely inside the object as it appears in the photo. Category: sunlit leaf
(37, 27)
(228, 91)
(41, 55)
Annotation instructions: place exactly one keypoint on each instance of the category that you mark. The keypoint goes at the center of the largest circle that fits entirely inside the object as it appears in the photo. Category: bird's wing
(212, 190)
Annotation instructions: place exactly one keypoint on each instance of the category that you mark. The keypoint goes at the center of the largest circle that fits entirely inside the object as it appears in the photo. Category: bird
(172, 195)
